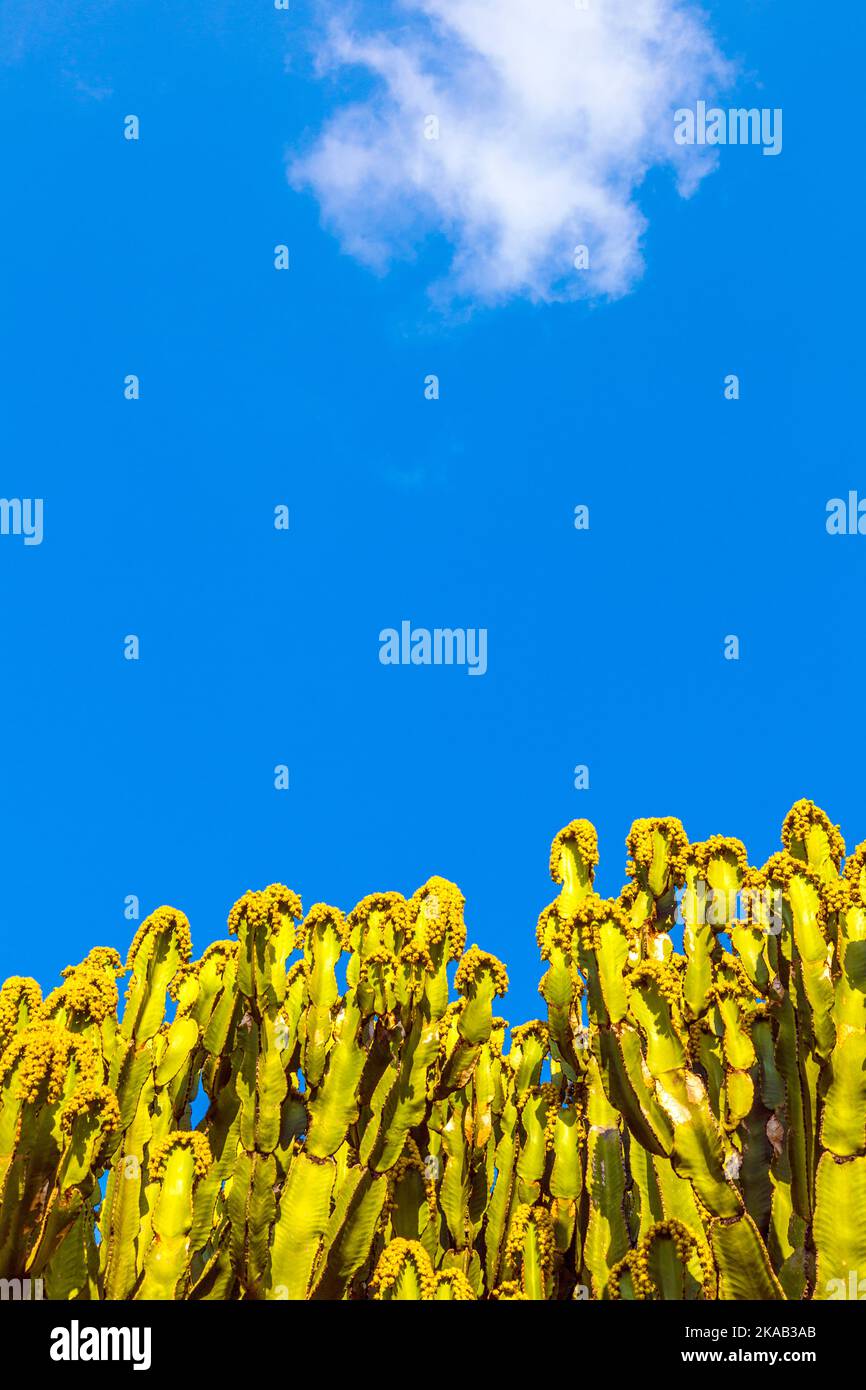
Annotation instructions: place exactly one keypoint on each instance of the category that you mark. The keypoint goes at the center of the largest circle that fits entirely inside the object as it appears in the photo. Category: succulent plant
(687, 1122)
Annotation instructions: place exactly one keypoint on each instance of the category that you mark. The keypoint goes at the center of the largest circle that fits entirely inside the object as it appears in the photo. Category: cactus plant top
(678, 1124)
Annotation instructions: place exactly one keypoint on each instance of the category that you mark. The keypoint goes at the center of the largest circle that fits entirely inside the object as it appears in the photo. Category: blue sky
(260, 648)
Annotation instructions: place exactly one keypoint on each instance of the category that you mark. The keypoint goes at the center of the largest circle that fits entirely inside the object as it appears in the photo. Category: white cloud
(550, 116)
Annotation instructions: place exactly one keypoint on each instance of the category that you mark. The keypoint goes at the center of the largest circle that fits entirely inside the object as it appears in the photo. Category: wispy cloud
(549, 117)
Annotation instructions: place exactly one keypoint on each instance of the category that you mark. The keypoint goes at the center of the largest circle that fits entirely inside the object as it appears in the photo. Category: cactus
(686, 1121)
